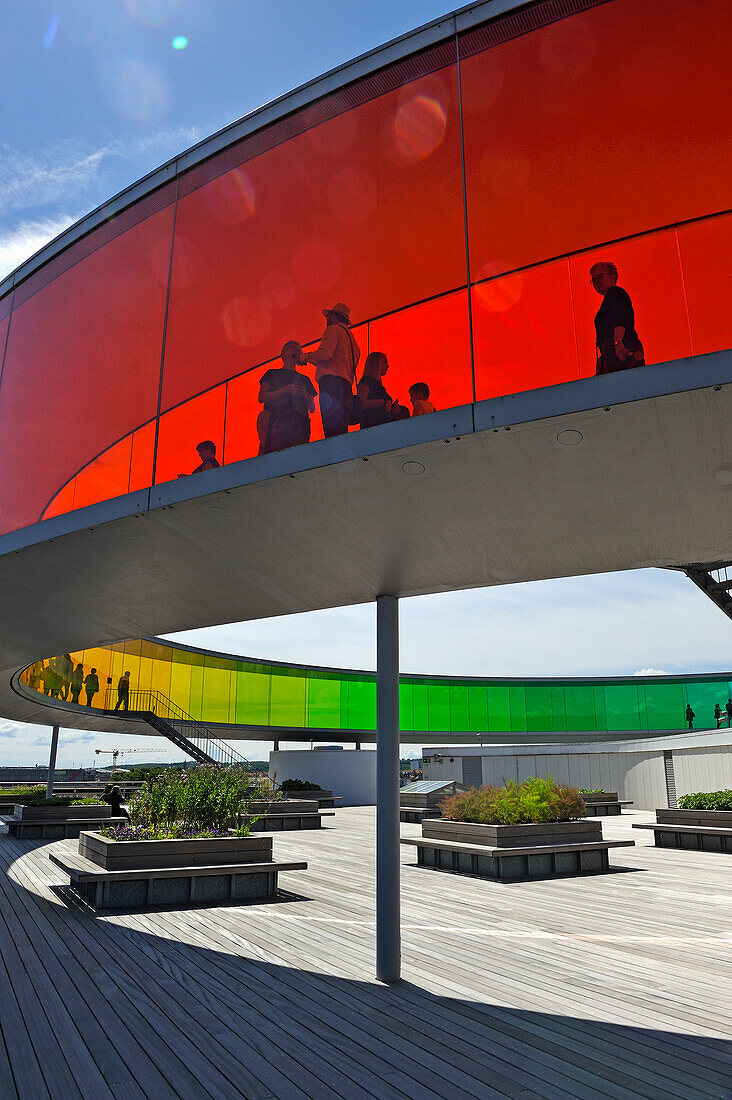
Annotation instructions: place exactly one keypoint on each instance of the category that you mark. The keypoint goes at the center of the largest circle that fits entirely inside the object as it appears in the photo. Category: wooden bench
(610, 808)
(57, 828)
(416, 814)
(700, 838)
(136, 889)
(278, 822)
(516, 864)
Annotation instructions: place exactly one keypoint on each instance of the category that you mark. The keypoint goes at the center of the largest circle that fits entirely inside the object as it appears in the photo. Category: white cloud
(68, 170)
(20, 243)
(651, 672)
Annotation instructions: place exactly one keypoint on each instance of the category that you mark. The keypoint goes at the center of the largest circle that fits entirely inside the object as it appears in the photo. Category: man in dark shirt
(288, 398)
(618, 344)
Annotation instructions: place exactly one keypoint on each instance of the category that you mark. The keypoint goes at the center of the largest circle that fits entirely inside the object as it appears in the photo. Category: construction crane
(115, 753)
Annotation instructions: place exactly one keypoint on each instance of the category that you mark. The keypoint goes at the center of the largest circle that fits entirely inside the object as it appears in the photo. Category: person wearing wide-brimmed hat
(335, 362)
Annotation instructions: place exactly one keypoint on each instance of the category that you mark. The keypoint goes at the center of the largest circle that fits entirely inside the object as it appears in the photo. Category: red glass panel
(242, 410)
(607, 123)
(523, 332)
(143, 448)
(649, 269)
(364, 208)
(706, 251)
(82, 368)
(427, 343)
(62, 502)
(183, 428)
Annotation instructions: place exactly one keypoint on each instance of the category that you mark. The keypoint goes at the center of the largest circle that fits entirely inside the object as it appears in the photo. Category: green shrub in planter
(712, 800)
(299, 785)
(22, 794)
(593, 790)
(532, 802)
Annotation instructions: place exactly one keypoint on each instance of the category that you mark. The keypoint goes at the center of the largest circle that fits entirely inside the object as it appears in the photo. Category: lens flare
(179, 42)
(419, 127)
(231, 198)
(152, 13)
(499, 295)
(50, 32)
(139, 91)
(246, 321)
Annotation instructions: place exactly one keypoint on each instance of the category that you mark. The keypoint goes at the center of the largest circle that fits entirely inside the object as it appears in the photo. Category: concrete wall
(636, 775)
(350, 773)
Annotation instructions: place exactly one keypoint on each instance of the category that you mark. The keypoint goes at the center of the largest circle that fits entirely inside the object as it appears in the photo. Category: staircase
(715, 580)
(167, 719)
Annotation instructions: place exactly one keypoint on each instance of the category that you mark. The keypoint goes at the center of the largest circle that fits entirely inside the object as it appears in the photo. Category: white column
(388, 931)
(52, 762)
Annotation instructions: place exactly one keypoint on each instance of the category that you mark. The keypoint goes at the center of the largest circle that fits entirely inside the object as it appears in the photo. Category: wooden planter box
(136, 874)
(63, 813)
(694, 830)
(283, 806)
(513, 836)
(54, 822)
(322, 797)
(124, 855)
(515, 852)
(604, 804)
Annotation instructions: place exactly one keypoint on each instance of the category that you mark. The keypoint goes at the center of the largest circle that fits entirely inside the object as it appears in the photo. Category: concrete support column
(52, 762)
(388, 931)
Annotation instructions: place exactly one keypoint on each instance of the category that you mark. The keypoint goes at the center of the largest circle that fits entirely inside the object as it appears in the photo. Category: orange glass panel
(242, 410)
(427, 343)
(82, 366)
(601, 125)
(706, 258)
(523, 333)
(183, 428)
(364, 207)
(107, 476)
(649, 269)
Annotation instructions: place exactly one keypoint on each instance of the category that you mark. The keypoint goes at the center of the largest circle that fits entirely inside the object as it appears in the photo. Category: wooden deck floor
(605, 986)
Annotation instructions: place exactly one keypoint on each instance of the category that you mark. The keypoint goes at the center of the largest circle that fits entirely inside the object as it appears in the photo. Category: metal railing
(171, 721)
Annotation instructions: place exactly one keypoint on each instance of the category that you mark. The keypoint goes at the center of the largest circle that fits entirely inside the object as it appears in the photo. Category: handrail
(153, 703)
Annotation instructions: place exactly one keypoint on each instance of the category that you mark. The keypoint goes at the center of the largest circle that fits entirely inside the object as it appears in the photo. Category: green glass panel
(702, 697)
(406, 710)
(288, 697)
(600, 708)
(252, 695)
(361, 703)
(478, 703)
(559, 717)
(438, 697)
(499, 708)
(459, 708)
(539, 708)
(216, 692)
(664, 705)
(324, 702)
(621, 707)
(420, 706)
(579, 706)
(517, 703)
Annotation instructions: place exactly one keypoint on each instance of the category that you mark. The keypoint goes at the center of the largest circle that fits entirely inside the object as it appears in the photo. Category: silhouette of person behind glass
(376, 403)
(91, 685)
(618, 344)
(207, 455)
(690, 716)
(77, 681)
(123, 692)
(335, 362)
(288, 398)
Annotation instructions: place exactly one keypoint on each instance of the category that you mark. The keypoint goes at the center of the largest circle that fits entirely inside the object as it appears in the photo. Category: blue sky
(95, 96)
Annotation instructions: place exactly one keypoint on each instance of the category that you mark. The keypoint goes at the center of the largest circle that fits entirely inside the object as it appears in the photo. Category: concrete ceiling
(621, 472)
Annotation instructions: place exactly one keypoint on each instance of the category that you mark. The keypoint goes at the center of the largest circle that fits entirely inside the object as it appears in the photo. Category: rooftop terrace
(602, 986)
